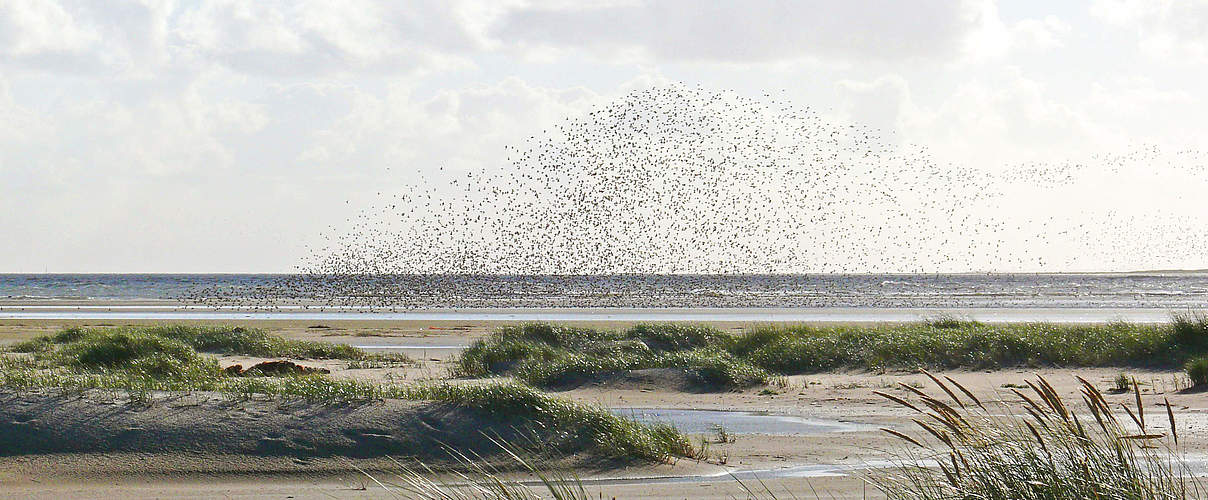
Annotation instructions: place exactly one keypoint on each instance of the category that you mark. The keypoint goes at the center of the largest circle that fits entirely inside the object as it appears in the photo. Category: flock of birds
(689, 182)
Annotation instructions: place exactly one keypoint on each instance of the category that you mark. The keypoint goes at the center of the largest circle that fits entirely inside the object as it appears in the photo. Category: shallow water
(791, 471)
(1156, 290)
(739, 422)
(1195, 466)
(411, 347)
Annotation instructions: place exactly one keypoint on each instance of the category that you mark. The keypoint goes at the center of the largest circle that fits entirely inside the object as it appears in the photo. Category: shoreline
(172, 311)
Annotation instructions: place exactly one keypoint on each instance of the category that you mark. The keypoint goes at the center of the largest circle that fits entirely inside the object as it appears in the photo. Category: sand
(177, 470)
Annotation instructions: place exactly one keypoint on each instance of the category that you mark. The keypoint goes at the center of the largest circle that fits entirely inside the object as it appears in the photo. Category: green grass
(142, 361)
(548, 355)
(805, 349)
(167, 357)
(1191, 329)
(585, 426)
(949, 321)
(1121, 382)
(574, 426)
(211, 339)
(1197, 371)
(148, 355)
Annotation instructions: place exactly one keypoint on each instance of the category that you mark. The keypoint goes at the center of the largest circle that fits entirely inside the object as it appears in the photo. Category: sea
(1144, 296)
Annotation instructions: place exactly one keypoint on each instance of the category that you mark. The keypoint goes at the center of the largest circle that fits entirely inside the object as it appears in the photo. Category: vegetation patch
(550, 355)
(583, 426)
(964, 448)
(211, 339)
(1197, 371)
(142, 361)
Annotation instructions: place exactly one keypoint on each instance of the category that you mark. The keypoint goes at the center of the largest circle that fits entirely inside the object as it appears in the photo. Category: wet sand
(831, 462)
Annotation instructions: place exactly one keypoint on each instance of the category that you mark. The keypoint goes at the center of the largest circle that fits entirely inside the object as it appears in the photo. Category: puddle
(794, 471)
(739, 422)
(409, 346)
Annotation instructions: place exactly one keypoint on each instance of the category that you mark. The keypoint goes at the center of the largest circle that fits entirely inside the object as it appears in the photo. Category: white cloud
(461, 129)
(79, 37)
(315, 37)
(272, 37)
(880, 103)
(17, 125)
(734, 31)
(39, 26)
(191, 180)
(1046, 33)
(215, 134)
(1169, 30)
(995, 39)
(993, 121)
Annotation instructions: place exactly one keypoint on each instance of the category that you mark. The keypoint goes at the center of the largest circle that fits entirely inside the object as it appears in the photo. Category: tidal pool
(739, 422)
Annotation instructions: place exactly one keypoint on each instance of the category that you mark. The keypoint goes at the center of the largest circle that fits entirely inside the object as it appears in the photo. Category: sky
(223, 136)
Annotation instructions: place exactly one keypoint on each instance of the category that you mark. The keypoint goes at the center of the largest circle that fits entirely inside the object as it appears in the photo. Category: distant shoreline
(951, 273)
(751, 293)
(176, 312)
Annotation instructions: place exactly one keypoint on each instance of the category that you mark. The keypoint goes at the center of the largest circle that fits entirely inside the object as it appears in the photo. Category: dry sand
(176, 470)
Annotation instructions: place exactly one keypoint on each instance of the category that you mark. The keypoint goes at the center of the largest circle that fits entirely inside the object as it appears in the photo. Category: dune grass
(211, 339)
(142, 361)
(965, 448)
(802, 349)
(546, 355)
(1197, 371)
(961, 447)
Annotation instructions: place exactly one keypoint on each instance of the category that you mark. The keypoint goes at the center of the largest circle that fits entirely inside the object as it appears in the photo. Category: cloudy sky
(215, 136)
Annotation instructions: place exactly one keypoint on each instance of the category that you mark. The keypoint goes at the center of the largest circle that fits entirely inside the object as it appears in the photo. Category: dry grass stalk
(1045, 454)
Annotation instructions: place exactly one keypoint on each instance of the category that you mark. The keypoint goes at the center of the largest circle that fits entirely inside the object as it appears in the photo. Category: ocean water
(121, 287)
(1166, 291)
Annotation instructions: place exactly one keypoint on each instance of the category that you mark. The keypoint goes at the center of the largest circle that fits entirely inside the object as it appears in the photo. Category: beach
(844, 443)
(552, 250)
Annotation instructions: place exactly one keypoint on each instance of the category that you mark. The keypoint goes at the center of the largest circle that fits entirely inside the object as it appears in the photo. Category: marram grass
(962, 448)
(212, 339)
(143, 361)
(545, 355)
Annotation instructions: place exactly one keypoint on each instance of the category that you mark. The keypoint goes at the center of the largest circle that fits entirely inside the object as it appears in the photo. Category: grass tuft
(1197, 371)
(122, 349)
(1191, 329)
(971, 451)
(547, 355)
(946, 321)
(1121, 382)
(211, 339)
